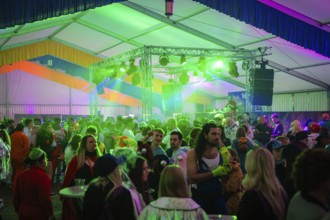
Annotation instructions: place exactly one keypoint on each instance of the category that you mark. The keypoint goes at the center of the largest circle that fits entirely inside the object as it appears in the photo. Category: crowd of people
(176, 169)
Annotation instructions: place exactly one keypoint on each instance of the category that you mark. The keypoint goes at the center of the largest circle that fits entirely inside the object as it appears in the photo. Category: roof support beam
(309, 66)
(178, 25)
(298, 75)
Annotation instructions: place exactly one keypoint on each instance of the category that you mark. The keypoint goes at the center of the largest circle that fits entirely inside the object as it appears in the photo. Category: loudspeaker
(262, 83)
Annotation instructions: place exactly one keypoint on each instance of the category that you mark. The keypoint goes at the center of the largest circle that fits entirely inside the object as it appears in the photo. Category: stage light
(184, 78)
(217, 66)
(183, 60)
(163, 59)
(246, 65)
(132, 68)
(122, 67)
(136, 79)
(168, 8)
(201, 65)
(232, 69)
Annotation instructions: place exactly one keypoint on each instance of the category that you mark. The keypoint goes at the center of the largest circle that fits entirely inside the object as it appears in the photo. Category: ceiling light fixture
(163, 59)
(246, 65)
(183, 60)
(122, 67)
(184, 78)
(132, 68)
(201, 65)
(136, 79)
(232, 69)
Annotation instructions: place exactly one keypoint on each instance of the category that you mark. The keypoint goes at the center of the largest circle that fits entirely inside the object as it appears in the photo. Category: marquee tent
(66, 37)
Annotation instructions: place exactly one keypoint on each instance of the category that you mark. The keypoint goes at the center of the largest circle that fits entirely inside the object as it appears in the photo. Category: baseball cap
(107, 163)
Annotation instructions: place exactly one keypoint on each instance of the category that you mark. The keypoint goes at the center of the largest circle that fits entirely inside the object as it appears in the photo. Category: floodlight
(184, 78)
(132, 68)
(232, 69)
(217, 66)
(136, 79)
(122, 67)
(201, 65)
(246, 65)
(163, 59)
(183, 60)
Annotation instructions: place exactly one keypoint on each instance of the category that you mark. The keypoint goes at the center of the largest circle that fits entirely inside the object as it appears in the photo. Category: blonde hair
(260, 168)
(114, 178)
(172, 182)
(295, 127)
(82, 149)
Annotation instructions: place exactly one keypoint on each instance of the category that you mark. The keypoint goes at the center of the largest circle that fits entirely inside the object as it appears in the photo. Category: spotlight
(246, 65)
(163, 59)
(122, 67)
(201, 65)
(132, 68)
(232, 69)
(183, 60)
(184, 78)
(112, 72)
(217, 66)
(168, 8)
(136, 79)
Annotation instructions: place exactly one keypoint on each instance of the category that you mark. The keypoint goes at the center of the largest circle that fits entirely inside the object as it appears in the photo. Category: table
(77, 192)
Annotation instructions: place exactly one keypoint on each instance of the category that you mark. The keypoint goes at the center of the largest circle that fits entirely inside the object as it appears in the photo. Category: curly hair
(310, 169)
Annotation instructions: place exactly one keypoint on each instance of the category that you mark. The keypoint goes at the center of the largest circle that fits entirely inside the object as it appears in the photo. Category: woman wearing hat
(32, 196)
(106, 197)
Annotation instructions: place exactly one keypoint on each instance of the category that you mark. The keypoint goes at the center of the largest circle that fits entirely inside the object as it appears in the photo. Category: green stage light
(184, 78)
(217, 66)
(183, 60)
(163, 59)
(136, 79)
(122, 67)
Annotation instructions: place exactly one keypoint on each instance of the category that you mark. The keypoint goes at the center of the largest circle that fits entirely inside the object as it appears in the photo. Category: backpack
(106, 212)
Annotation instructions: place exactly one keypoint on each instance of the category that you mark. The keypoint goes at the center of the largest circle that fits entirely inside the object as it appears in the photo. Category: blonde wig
(295, 127)
(260, 168)
(172, 182)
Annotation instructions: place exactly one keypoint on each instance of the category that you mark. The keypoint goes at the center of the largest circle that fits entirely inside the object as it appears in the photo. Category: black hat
(106, 164)
(301, 135)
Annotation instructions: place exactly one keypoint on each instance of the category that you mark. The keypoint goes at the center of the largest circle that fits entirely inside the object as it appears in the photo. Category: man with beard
(205, 164)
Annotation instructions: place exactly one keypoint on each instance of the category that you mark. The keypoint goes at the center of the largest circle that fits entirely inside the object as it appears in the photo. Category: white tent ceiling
(120, 27)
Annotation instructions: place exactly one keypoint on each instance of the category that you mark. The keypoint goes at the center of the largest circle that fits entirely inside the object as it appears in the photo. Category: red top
(32, 197)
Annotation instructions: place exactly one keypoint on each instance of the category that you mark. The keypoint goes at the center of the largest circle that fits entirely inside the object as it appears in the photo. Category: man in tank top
(206, 162)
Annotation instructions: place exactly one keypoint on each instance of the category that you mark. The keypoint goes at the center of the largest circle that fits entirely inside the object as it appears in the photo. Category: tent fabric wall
(46, 47)
(276, 22)
(299, 102)
(29, 94)
(16, 12)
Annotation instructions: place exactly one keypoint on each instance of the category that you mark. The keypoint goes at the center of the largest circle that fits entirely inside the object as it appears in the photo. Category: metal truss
(147, 68)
